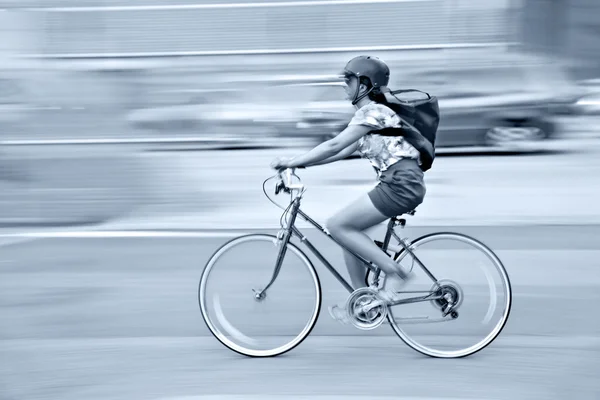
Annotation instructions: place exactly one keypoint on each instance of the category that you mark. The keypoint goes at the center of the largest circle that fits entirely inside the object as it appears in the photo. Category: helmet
(369, 67)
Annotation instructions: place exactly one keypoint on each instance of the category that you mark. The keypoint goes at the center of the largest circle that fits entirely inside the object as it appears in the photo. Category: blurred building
(118, 28)
(79, 70)
(109, 56)
(81, 60)
(569, 29)
(160, 28)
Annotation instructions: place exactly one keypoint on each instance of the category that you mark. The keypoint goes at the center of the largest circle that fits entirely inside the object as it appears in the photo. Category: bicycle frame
(291, 229)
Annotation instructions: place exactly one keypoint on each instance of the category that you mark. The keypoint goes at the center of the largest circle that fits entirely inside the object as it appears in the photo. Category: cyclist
(400, 187)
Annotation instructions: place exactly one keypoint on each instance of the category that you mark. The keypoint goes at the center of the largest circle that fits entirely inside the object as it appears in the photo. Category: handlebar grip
(285, 178)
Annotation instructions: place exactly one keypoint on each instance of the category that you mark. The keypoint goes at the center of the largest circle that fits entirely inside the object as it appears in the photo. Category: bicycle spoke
(245, 317)
(472, 297)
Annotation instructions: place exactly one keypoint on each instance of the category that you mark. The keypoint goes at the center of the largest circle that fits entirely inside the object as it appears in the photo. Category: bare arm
(339, 156)
(331, 147)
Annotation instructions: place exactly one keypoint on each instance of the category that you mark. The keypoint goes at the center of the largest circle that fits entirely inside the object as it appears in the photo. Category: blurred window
(482, 81)
(329, 93)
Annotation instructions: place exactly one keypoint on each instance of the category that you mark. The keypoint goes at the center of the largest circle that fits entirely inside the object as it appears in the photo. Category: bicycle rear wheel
(259, 327)
(477, 290)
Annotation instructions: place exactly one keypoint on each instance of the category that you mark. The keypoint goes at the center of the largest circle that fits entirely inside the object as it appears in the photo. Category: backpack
(420, 120)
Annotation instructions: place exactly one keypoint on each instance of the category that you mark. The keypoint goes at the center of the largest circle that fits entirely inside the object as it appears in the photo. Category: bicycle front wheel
(252, 325)
(476, 303)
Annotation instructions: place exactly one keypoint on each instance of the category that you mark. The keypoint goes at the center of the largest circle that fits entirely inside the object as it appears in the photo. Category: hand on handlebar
(282, 163)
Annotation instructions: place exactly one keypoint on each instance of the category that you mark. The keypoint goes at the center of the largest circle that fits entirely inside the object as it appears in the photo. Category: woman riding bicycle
(400, 186)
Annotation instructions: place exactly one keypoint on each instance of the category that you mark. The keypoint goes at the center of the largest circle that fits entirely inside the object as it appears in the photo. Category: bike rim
(495, 331)
(222, 336)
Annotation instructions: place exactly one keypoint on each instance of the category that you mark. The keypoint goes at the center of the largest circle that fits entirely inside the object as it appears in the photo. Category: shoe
(393, 284)
(339, 314)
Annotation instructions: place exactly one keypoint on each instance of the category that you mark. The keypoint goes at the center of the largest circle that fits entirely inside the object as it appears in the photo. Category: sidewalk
(222, 190)
(465, 190)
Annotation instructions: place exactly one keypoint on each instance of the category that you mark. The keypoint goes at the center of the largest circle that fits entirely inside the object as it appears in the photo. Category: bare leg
(356, 270)
(348, 226)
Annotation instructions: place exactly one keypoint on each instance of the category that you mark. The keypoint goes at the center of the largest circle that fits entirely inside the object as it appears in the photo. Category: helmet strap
(358, 98)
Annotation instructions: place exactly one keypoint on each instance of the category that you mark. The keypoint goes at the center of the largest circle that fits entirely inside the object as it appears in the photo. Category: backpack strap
(410, 90)
(406, 113)
(416, 139)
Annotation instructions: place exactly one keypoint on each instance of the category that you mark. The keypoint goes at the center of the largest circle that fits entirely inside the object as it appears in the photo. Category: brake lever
(281, 185)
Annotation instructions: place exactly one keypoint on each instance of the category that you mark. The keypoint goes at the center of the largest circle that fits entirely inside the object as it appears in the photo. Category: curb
(9, 237)
(220, 225)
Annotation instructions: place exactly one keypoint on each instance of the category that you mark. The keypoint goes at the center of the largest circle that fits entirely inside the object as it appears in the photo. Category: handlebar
(285, 179)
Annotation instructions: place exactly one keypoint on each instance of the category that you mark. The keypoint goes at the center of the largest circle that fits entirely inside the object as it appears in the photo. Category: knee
(337, 227)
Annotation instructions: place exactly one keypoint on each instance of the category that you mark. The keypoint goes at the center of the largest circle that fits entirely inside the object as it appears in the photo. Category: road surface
(117, 318)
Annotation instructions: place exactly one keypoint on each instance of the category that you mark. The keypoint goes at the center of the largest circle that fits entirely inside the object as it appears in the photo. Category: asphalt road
(117, 318)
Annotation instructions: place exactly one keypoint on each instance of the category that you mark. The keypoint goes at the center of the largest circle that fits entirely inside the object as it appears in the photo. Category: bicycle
(366, 310)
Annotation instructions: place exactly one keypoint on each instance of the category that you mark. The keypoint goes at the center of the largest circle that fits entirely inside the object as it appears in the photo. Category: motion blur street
(135, 138)
(117, 317)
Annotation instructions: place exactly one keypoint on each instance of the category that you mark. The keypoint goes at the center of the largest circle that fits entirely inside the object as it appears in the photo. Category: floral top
(381, 151)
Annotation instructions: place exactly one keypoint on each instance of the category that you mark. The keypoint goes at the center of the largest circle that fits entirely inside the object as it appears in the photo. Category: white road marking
(119, 234)
(221, 5)
(306, 397)
(145, 140)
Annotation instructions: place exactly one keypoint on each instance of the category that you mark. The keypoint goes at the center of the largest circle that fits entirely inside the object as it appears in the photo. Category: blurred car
(327, 113)
(592, 85)
(588, 102)
(503, 106)
(229, 111)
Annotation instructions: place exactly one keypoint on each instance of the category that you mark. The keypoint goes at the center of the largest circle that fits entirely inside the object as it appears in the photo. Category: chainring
(361, 319)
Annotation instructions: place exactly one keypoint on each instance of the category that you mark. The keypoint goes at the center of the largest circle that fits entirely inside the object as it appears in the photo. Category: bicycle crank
(361, 314)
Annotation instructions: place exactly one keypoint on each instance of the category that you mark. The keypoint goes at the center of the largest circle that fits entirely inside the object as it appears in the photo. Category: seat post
(388, 234)
(383, 246)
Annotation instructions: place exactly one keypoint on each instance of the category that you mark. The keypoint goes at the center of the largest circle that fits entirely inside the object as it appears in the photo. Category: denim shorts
(401, 188)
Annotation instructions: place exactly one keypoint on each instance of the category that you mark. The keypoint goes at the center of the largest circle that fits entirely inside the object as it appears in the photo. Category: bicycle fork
(283, 238)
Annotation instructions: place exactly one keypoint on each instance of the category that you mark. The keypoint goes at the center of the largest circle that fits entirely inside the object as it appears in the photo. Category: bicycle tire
(499, 326)
(239, 349)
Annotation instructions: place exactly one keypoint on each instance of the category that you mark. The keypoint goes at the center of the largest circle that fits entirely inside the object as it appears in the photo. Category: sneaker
(339, 314)
(393, 284)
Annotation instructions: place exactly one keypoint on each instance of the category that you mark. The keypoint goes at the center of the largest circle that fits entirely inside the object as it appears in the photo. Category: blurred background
(135, 137)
